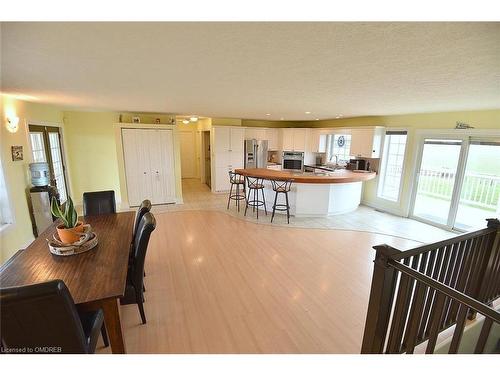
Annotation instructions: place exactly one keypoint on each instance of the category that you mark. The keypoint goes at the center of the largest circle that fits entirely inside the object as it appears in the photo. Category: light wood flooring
(219, 284)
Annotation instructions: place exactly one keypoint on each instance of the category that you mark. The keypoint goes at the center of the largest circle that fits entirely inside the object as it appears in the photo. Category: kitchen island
(315, 194)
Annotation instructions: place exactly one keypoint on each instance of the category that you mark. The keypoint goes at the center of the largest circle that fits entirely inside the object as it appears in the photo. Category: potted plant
(71, 229)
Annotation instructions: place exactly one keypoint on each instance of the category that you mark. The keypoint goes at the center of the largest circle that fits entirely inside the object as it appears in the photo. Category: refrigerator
(255, 153)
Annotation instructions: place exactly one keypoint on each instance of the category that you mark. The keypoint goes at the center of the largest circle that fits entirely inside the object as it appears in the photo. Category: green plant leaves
(69, 216)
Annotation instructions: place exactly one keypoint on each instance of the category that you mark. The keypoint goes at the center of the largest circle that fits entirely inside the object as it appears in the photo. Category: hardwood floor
(218, 284)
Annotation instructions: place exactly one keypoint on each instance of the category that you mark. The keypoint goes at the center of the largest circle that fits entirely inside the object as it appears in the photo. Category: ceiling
(255, 70)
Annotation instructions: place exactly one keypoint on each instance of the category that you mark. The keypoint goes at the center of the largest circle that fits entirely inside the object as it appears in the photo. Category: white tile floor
(198, 196)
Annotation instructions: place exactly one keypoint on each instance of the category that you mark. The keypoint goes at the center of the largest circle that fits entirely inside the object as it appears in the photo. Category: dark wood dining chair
(99, 202)
(134, 292)
(143, 208)
(43, 318)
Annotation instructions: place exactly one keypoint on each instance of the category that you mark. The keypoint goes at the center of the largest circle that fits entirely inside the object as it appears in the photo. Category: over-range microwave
(293, 161)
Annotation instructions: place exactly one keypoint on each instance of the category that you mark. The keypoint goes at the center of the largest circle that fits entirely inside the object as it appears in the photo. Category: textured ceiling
(248, 70)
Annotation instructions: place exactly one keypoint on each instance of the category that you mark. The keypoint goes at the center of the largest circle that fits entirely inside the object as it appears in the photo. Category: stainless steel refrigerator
(255, 153)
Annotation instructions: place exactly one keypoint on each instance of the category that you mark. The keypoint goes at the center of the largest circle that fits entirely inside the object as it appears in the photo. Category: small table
(96, 278)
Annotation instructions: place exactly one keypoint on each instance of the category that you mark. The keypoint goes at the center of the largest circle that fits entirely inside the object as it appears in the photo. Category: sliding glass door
(436, 180)
(479, 195)
(458, 182)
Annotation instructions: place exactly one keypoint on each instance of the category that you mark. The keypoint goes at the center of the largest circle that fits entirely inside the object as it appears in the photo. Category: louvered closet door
(137, 165)
(162, 166)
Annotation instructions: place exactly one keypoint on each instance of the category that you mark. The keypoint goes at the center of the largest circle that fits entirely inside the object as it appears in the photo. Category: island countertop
(340, 176)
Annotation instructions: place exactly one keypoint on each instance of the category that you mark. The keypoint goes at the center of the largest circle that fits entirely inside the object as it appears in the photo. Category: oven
(293, 161)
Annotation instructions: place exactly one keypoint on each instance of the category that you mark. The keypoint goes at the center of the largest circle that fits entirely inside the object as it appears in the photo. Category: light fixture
(307, 112)
(282, 118)
(12, 124)
(193, 118)
(185, 122)
(339, 116)
(268, 114)
(317, 119)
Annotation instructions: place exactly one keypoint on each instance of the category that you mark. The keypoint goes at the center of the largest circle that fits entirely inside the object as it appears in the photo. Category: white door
(149, 165)
(162, 166)
(188, 154)
(137, 165)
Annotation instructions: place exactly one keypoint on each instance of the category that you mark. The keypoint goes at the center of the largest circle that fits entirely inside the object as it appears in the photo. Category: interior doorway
(188, 154)
(206, 165)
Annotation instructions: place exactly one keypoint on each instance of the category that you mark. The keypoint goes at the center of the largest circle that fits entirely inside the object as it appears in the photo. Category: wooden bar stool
(255, 185)
(237, 180)
(282, 187)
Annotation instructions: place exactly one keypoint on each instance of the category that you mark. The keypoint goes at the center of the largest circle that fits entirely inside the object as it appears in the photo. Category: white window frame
(6, 214)
(383, 162)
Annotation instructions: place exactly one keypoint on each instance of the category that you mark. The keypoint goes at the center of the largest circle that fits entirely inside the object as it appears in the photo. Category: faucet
(336, 160)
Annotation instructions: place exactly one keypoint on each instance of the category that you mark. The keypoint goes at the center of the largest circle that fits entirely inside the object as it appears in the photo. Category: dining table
(96, 278)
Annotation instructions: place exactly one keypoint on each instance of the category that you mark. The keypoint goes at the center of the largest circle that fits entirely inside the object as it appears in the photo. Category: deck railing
(419, 293)
(480, 190)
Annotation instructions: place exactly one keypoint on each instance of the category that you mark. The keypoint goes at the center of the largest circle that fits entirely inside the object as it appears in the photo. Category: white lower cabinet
(149, 165)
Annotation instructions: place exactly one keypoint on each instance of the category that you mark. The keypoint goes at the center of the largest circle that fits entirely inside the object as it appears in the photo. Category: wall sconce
(13, 124)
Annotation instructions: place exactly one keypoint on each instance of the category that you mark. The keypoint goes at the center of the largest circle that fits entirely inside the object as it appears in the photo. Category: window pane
(55, 152)
(37, 147)
(392, 167)
(339, 145)
(480, 193)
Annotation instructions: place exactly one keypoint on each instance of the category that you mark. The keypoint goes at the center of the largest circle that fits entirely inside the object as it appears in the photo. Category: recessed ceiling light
(308, 112)
(282, 118)
(185, 121)
(268, 114)
(317, 119)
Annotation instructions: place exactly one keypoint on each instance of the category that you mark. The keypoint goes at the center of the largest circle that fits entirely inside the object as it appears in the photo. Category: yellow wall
(91, 157)
(19, 234)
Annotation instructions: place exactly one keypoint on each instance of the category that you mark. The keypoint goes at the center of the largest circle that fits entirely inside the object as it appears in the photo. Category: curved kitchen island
(315, 194)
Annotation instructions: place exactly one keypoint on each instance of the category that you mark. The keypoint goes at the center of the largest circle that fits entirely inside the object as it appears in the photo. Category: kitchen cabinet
(255, 133)
(367, 142)
(149, 165)
(294, 139)
(272, 136)
(227, 154)
(316, 141)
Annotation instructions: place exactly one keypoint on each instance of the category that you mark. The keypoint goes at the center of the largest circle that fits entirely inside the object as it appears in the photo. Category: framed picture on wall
(17, 153)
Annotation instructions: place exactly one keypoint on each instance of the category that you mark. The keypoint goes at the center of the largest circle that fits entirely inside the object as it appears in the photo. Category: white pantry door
(162, 166)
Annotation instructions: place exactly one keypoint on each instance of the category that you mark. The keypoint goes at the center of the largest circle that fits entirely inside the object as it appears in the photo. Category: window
(339, 145)
(392, 165)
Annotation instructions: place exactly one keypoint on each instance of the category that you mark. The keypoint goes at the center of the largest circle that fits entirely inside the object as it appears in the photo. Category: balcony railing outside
(478, 190)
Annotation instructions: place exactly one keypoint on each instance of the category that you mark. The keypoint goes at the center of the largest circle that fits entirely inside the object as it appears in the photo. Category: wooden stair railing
(417, 294)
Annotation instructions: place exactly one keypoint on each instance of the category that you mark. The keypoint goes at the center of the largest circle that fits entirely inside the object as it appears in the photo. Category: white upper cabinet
(316, 140)
(367, 142)
(294, 139)
(236, 140)
(255, 133)
(272, 138)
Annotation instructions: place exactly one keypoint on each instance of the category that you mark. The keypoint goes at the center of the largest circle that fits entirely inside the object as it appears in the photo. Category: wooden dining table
(96, 278)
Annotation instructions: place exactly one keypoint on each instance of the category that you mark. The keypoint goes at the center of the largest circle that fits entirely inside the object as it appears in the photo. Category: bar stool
(281, 187)
(255, 185)
(237, 180)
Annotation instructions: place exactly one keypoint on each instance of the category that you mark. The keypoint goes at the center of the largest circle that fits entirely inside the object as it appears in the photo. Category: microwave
(293, 161)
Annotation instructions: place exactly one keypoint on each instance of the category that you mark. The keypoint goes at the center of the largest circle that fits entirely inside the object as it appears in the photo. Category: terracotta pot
(71, 235)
